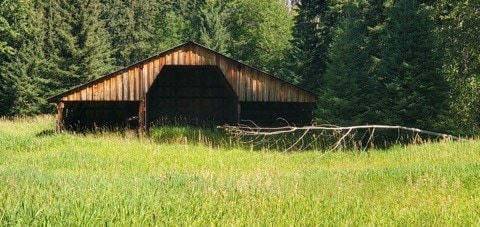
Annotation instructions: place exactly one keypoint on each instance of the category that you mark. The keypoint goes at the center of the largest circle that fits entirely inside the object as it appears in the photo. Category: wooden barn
(190, 82)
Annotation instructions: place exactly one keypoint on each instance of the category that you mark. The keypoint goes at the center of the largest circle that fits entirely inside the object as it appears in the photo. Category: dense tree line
(401, 62)
(408, 62)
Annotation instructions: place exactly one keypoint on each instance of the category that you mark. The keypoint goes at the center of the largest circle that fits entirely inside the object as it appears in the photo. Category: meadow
(111, 179)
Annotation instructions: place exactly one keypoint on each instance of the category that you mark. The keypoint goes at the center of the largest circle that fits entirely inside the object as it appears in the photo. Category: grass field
(108, 179)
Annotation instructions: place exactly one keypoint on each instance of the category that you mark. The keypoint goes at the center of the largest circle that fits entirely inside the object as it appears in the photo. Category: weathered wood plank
(76, 95)
(138, 86)
(265, 88)
(145, 70)
(84, 94)
(100, 87)
(168, 59)
(95, 92)
(254, 86)
(175, 57)
(113, 90)
(149, 76)
(248, 83)
(131, 85)
(230, 72)
(106, 89)
(199, 56)
(188, 55)
(125, 85)
(281, 92)
(120, 86)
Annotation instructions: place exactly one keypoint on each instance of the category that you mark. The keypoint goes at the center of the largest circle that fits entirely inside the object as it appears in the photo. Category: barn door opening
(191, 95)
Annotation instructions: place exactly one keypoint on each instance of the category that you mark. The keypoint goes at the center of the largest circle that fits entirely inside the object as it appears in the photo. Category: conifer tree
(344, 97)
(21, 70)
(311, 38)
(213, 28)
(8, 36)
(7, 33)
(132, 28)
(414, 91)
(77, 42)
(190, 12)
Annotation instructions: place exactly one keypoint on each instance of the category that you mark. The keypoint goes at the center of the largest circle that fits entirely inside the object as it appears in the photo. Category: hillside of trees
(404, 62)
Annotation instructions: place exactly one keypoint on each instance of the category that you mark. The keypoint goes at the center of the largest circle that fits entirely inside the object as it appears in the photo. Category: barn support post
(239, 113)
(141, 118)
(60, 120)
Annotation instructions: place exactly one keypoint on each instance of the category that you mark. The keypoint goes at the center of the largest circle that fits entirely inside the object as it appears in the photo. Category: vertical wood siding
(133, 82)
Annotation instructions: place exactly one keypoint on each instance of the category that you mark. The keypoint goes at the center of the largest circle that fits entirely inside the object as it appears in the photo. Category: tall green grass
(193, 135)
(109, 179)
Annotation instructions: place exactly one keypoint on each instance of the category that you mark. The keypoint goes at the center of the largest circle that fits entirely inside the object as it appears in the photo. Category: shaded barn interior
(191, 94)
(277, 113)
(96, 114)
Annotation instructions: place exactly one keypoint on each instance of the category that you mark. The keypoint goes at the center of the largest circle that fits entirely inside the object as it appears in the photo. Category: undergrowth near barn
(112, 179)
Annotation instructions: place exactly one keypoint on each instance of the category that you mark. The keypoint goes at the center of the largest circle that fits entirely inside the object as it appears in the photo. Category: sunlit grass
(110, 179)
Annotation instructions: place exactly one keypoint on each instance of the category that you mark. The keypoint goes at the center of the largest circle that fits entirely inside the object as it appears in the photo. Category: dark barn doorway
(89, 115)
(193, 95)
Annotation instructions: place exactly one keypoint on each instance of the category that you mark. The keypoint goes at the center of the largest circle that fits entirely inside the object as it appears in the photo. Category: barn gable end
(250, 87)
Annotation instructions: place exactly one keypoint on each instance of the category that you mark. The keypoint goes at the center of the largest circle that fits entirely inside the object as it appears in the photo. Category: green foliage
(78, 41)
(345, 97)
(260, 33)
(7, 33)
(413, 90)
(213, 28)
(311, 38)
(134, 28)
(105, 179)
(459, 25)
(21, 70)
(178, 134)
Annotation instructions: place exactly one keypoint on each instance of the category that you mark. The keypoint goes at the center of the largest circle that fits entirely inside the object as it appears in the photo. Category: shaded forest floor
(103, 179)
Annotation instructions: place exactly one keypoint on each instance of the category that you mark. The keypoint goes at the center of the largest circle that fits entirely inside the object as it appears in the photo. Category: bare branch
(257, 135)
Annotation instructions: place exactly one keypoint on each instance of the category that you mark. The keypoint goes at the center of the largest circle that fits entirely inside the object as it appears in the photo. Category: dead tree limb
(246, 130)
(264, 134)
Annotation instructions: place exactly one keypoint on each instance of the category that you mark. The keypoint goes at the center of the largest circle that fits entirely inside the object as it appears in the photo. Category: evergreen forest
(414, 63)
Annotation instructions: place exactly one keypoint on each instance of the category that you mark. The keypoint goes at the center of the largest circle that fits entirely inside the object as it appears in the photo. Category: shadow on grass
(45, 133)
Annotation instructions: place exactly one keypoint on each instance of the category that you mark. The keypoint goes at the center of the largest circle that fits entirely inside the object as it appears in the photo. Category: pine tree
(7, 39)
(213, 28)
(375, 21)
(21, 71)
(131, 26)
(7, 33)
(311, 38)
(173, 27)
(344, 98)
(414, 91)
(77, 43)
(190, 12)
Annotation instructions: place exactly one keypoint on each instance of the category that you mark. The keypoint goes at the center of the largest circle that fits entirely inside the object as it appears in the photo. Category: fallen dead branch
(328, 136)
